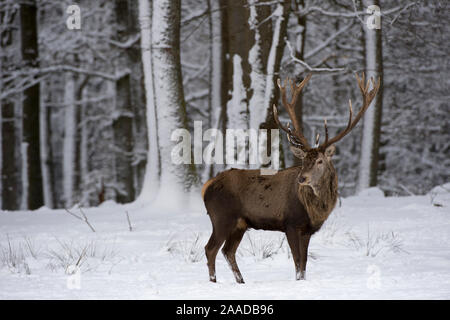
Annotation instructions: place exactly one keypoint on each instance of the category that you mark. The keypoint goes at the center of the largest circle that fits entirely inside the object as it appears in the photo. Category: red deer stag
(296, 201)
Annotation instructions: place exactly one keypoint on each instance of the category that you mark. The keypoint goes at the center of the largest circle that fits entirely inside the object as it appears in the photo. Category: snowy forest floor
(371, 247)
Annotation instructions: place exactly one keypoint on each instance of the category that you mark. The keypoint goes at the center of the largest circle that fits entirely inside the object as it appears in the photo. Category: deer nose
(301, 179)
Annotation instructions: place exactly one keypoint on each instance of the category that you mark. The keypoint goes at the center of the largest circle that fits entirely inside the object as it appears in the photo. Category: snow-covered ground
(371, 247)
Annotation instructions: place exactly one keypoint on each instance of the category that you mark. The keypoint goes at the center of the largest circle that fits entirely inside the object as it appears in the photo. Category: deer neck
(320, 200)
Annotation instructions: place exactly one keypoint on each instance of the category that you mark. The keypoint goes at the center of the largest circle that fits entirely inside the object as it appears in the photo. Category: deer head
(317, 167)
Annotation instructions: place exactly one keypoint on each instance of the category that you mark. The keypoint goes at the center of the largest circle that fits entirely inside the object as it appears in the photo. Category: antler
(295, 136)
(367, 99)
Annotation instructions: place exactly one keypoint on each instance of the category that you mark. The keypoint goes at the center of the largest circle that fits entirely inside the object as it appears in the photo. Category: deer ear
(299, 153)
(329, 152)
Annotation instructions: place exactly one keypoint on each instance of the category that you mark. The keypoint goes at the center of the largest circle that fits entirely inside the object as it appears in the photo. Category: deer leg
(211, 249)
(292, 238)
(304, 243)
(229, 251)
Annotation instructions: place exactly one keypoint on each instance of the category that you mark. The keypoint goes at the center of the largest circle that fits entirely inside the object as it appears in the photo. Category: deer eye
(319, 161)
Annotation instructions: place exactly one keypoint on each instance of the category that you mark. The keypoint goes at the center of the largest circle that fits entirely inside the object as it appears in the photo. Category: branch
(129, 222)
(123, 45)
(327, 41)
(83, 218)
(307, 66)
(354, 14)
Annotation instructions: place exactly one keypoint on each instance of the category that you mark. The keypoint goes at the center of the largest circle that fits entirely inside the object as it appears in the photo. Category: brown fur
(205, 187)
(239, 199)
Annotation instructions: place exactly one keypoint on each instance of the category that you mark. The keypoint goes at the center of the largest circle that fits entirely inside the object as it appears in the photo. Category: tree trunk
(10, 167)
(30, 109)
(151, 181)
(368, 166)
(123, 140)
(238, 40)
(84, 152)
(258, 59)
(70, 131)
(10, 126)
(46, 153)
(215, 73)
(300, 54)
(273, 67)
(170, 103)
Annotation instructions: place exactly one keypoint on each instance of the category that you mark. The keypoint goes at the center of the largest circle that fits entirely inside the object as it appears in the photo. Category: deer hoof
(300, 276)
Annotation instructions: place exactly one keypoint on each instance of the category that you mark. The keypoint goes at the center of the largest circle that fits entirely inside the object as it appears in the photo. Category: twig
(129, 222)
(307, 66)
(83, 218)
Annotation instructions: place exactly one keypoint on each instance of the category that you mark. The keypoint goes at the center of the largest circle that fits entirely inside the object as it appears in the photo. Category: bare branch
(307, 66)
(82, 218)
(129, 222)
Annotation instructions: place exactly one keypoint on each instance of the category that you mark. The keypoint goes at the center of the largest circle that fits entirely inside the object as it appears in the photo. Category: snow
(272, 55)
(371, 247)
(371, 192)
(236, 106)
(256, 104)
(169, 100)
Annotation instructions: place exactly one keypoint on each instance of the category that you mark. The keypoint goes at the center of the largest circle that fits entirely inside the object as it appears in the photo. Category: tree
(169, 95)
(10, 139)
(370, 142)
(123, 140)
(151, 181)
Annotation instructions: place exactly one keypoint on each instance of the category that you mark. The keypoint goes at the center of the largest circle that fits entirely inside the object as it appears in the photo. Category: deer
(296, 200)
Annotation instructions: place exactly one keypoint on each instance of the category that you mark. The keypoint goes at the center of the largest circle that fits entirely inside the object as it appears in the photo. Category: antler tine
(368, 96)
(275, 116)
(292, 138)
(291, 83)
(317, 139)
(350, 110)
(295, 134)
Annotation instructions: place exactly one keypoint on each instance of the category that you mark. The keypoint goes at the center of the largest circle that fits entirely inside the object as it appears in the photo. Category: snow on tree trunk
(151, 181)
(169, 96)
(273, 67)
(274, 59)
(368, 165)
(237, 106)
(256, 58)
(237, 113)
(70, 127)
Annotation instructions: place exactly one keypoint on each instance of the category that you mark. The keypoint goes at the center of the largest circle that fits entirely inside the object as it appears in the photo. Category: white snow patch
(373, 192)
(371, 247)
